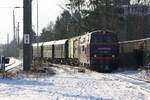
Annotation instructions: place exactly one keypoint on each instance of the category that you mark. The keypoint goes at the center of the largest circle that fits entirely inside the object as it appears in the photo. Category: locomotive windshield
(104, 38)
(103, 43)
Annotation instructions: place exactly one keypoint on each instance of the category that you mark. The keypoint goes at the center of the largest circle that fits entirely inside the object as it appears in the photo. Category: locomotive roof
(60, 42)
(49, 43)
(102, 31)
(76, 37)
(35, 44)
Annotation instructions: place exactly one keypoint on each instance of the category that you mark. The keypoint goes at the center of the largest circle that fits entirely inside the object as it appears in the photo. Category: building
(136, 21)
(124, 2)
(135, 10)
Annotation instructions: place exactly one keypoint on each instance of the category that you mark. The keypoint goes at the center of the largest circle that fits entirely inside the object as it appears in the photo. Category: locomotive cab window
(104, 38)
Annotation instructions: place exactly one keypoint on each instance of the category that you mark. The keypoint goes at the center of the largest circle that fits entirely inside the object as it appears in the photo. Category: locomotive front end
(104, 51)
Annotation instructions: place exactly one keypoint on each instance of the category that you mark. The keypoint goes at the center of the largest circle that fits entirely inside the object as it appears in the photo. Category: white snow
(13, 63)
(68, 84)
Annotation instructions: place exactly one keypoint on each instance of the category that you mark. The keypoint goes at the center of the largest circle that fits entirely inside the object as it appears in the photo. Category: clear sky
(48, 11)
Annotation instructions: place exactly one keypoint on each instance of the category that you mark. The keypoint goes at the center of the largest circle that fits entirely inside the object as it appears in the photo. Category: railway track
(69, 68)
(12, 68)
(143, 84)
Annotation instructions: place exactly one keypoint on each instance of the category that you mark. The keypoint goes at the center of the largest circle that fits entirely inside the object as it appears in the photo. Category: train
(97, 50)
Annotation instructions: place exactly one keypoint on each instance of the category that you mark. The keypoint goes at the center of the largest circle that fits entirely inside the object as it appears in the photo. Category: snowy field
(68, 84)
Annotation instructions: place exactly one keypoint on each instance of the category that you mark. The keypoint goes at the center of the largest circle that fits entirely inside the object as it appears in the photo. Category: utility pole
(18, 34)
(14, 29)
(27, 34)
(17, 40)
(37, 39)
(7, 44)
(14, 25)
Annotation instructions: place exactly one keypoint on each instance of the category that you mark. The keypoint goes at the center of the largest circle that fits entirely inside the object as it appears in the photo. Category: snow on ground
(140, 74)
(68, 84)
(13, 63)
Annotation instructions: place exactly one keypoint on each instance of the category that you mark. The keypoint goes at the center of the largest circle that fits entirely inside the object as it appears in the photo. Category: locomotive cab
(104, 51)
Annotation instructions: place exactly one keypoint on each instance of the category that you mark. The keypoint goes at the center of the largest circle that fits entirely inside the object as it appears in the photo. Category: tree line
(80, 16)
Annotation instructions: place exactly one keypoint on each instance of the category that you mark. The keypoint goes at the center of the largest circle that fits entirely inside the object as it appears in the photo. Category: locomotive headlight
(113, 56)
(95, 55)
(106, 67)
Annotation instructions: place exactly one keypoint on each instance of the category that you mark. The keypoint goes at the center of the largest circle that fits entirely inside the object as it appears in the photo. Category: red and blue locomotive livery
(99, 50)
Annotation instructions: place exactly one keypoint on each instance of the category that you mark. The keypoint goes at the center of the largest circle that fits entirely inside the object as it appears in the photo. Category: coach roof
(37, 44)
(49, 43)
(60, 41)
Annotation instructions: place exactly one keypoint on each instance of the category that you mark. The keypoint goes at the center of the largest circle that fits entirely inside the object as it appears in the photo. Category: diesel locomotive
(96, 50)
